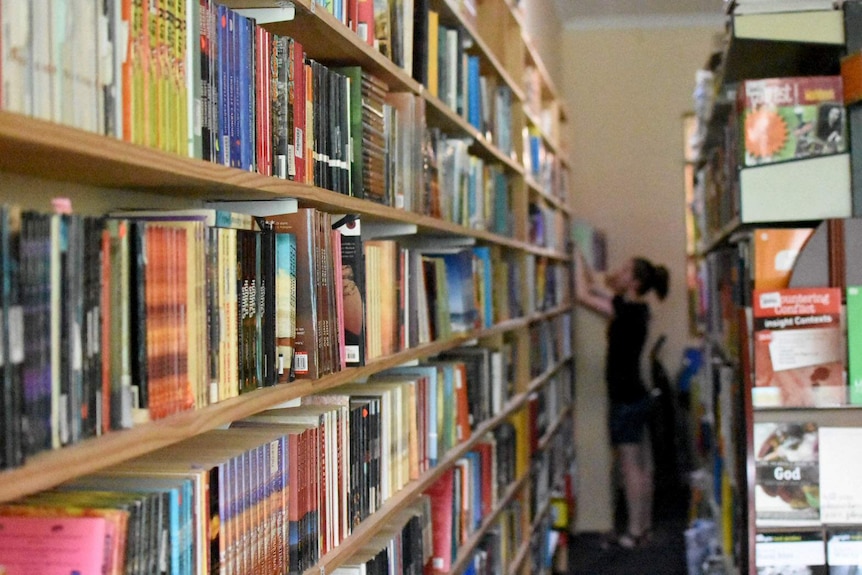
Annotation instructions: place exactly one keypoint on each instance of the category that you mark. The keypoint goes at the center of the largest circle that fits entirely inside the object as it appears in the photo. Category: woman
(622, 299)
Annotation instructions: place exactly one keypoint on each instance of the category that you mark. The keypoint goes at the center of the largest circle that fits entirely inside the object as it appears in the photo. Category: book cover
(442, 498)
(285, 300)
(787, 475)
(843, 550)
(353, 290)
(302, 224)
(799, 348)
(11, 338)
(775, 253)
(790, 552)
(854, 344)
(791, 118)
(840, 499)
(365, 25)
(71, 544)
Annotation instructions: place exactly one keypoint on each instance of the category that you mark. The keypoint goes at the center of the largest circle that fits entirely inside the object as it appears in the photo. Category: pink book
(51, 546)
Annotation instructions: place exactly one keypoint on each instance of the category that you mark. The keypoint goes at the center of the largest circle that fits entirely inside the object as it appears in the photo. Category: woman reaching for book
(621, 298)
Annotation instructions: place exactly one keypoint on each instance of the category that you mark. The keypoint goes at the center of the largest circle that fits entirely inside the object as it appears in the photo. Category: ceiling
(573, 10)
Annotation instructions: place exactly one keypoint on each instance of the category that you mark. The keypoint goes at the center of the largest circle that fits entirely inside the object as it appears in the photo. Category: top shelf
(797, 44)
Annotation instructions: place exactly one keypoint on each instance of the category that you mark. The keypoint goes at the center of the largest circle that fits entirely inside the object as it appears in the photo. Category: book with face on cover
(787, 474)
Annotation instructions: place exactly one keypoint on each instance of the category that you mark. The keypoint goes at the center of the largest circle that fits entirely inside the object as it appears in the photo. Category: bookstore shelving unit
(729, 203)
(40, 160)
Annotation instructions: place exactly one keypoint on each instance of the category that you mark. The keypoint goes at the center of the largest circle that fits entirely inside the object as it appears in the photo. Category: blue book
(476, 488)
(474, 92)
(245, 118)
(222, 43)
(459, 280)
(285, 304)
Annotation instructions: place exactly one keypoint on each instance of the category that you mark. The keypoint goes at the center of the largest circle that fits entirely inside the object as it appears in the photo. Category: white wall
(627, 90)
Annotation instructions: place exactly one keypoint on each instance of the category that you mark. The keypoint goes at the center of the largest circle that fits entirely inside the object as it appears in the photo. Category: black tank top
(627, 333)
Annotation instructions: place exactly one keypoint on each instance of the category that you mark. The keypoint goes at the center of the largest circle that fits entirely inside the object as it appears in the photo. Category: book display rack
(773, 192)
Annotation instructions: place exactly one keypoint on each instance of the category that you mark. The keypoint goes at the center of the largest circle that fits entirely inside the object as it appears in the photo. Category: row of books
(174, 310)
(262, 106)
(278, 489)
(425, 291)
(550, 343)
(547, 227)
(552, 287)
(461, 498)
(404, 546)
(543, 166)
(498, 548)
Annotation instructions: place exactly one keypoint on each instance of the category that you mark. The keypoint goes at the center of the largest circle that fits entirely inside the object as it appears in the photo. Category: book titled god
(799, 348)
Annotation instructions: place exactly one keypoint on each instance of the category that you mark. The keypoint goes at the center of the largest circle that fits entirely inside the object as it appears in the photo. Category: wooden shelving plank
(520, 557)
(546, 439)
(44, 149)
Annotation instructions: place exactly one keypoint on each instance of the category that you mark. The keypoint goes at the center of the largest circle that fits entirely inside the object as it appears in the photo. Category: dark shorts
(628, 421)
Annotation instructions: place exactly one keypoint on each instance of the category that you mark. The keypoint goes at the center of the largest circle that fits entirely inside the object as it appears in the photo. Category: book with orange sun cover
(791, 118)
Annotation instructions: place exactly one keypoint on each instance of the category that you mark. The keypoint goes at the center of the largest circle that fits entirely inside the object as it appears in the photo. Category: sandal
(630, 541)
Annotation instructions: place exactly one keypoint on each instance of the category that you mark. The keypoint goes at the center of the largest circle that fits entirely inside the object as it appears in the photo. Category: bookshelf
(100, 173)
(732, 200)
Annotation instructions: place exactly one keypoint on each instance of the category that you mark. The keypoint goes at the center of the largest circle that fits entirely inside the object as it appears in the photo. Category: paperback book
(799, 348)
(787, 474)
(791, 118)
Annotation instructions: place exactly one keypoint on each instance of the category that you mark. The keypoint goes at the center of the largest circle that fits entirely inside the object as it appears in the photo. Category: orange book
(775, 253)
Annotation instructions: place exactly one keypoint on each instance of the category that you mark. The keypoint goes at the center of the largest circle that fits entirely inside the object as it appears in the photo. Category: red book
(299, 111)
(365, 20)
(799, 348)
(441, 494)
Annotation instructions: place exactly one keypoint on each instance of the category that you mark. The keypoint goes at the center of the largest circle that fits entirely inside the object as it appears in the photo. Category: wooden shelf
(43, 149)
(838, 416)
(465, 551)
(783, 44)
(554, 428)
(520, 557)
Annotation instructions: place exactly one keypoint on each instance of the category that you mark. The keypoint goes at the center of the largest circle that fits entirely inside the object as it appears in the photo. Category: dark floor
(592, 554)
(589, 554)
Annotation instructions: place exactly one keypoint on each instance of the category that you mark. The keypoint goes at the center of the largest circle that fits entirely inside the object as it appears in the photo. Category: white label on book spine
(273, 458)
(291, 161)
(352, 353)
(299, 143)
(300, 361)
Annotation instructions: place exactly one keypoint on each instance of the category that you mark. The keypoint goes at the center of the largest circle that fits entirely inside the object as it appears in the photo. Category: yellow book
(433, 48)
